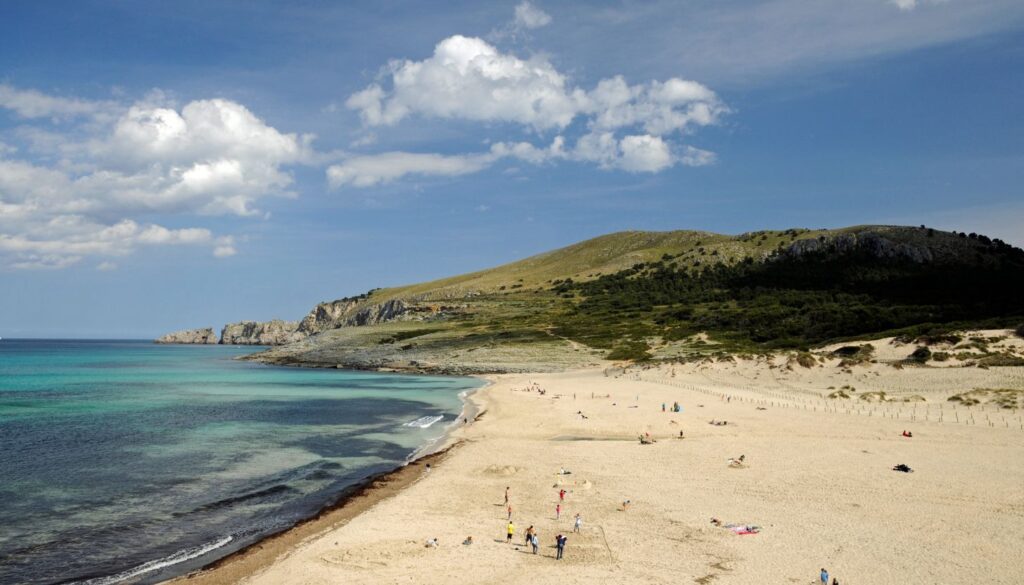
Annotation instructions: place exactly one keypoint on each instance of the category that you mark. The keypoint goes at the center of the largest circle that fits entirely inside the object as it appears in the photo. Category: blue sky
(189, 164)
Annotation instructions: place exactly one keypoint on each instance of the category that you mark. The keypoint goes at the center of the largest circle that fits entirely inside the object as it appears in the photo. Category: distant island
(638, 296)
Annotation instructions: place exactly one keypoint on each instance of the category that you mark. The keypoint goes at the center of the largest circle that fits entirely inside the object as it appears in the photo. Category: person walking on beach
(511, 531)
(824, 576)
(558, 511)
(510, 512)
(506, 495)
(561, 495)
(560, 545)
(535, 543)
(578, 523)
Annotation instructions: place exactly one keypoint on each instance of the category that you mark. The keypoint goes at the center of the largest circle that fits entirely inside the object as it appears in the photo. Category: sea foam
(424, 422)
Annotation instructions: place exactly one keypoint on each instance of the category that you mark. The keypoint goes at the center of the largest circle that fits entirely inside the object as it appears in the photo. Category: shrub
(1001, 360)
(637, 351)
(921, 355)
(940, 338)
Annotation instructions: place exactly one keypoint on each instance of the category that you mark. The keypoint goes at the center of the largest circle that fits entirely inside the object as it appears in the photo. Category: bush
(806, 360)
(940, 338)
(921, 355)
(636, 351)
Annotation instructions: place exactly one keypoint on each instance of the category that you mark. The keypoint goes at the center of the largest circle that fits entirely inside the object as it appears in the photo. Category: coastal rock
(276, 332)
(351, 312)
(328, 315)
(204, 336)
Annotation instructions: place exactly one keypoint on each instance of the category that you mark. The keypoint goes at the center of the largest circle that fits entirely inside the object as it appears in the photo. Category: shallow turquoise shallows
(125, 461)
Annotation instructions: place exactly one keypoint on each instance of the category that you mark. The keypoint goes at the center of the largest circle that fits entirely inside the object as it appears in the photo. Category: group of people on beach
(530, 537)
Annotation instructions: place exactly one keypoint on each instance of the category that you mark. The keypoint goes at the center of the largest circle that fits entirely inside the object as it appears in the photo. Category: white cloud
(529, 16)
(644, 153)
(210, 157)
(29, 103)
(634, 153)
(106, 266)
(370, 170)
(695, 157)
(64, 240)
(469, 79)
(224, 251)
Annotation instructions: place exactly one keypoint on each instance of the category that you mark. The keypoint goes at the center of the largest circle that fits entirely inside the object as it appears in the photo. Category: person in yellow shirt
(511, 531)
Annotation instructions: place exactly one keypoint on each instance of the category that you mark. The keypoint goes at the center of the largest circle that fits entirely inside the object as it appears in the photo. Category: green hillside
(598, 256)
(624, 294)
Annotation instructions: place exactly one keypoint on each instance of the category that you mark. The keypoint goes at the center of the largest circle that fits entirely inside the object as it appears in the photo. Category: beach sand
(817, 480)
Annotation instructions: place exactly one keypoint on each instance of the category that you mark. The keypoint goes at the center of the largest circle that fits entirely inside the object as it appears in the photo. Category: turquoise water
(133, 462)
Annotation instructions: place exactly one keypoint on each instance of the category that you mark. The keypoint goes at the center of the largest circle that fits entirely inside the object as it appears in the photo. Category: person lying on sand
(468, 541)
(563, 471)
(902, 467)
(908, 434)
(431, 543)
(737, 462)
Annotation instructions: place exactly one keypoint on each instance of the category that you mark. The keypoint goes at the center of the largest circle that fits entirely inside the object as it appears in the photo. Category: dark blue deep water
(132, 462)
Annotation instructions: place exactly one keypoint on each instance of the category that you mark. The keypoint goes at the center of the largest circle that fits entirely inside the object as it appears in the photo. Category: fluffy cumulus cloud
(616, 125)
(470, 79)
(97, 168)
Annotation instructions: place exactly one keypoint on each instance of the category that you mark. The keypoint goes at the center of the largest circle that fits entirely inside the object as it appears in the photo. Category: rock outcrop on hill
(351, 312)
(276, 332)
(204, 336)
(872, 242)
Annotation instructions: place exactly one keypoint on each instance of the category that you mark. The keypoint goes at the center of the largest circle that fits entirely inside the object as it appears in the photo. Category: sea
(130, 462)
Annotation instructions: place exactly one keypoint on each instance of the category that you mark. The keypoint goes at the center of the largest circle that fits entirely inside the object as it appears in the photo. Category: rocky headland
(204, 336)
(276, 332)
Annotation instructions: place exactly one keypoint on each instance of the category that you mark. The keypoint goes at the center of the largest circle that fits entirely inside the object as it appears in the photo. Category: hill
(631, 295)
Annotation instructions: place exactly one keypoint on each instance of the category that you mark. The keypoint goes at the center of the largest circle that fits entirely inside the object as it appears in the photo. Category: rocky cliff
(276, 332)
(351, 312)
(203, 336)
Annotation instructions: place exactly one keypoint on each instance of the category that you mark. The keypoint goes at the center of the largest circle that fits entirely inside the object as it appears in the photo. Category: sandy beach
(816, 480)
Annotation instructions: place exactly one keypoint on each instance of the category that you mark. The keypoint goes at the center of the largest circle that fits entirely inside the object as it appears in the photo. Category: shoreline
(351, 502)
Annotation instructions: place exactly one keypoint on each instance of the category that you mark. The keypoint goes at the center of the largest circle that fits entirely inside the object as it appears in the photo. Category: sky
(192, 163)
